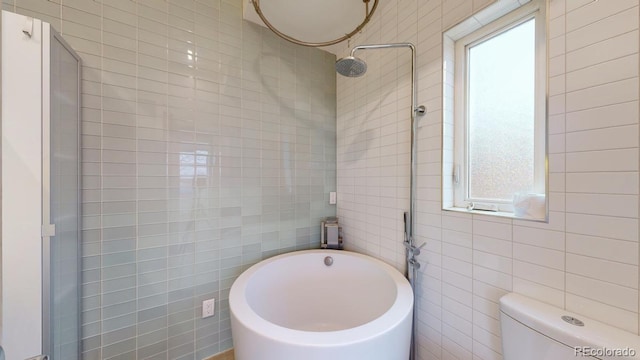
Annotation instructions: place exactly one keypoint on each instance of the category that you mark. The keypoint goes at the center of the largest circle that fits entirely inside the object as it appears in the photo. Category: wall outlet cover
(332, 198)
(208, 308)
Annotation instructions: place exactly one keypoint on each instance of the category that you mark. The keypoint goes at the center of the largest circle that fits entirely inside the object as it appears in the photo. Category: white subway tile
(539, 292)
(463, 312)
(557, 182)
(624, 319)
(488, 292)
(453, 344)
(487, 337)
(556, 8)
(603, 182)
(603, 248)
(554, 240)
(572, 5)
(481, 351)
(492, 229)
(603, 226)
(540, 256)
(608, 160)
(454, 11)
(461, 267)
(556, 201)
(601, 30)
(614, 70)
(491, 219)
(556, 222)
(479, 4)
(557, 46)
(604, 292)
(557, 65)
(557, 85)
(605, 270)
(603, 95)
(557, 104)
(493, 262)
(457, 252)
(486, 307)
(556, 27)
(494, 278)
(457, 223)
(492, 245)
(457, 238)
(539, 274)
(556, 143)
(596, 12)
(602, 117)
(486, 322)
(613, 48)
(557, 162)
(461, 295)
(603, 204)
(455, 321)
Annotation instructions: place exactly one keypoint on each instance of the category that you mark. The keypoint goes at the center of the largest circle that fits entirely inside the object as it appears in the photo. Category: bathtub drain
(328, 260)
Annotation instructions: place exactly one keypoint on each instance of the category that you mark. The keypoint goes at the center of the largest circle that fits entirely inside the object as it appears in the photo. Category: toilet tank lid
(547, 319)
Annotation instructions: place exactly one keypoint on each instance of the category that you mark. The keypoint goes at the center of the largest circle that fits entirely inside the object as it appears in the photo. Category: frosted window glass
(500, 114)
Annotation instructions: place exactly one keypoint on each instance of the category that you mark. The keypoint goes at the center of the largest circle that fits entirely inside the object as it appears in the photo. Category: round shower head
(351, 66)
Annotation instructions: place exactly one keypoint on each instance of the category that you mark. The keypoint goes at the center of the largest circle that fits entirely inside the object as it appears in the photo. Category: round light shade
(312, 21)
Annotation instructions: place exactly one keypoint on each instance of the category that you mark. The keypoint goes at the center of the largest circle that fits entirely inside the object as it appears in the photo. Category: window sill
(501, 214)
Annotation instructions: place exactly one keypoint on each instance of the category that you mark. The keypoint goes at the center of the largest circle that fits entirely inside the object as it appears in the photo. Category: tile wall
(584, 260)
(208, 144)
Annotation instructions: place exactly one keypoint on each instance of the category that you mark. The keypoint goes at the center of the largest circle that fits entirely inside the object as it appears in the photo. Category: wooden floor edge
(227, 355)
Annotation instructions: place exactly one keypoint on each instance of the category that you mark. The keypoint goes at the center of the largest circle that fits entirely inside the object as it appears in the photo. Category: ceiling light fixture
(367, 17)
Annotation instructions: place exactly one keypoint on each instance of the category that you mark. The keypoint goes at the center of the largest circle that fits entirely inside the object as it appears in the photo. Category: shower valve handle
(416, 250)
(413, 249)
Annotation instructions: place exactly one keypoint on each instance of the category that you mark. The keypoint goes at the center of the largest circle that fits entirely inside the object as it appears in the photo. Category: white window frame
(466, 38)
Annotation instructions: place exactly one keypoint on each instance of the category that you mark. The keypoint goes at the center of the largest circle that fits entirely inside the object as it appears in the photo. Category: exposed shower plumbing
(351, 66)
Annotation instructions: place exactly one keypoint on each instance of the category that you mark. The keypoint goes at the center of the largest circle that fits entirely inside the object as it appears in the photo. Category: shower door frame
(49, 36)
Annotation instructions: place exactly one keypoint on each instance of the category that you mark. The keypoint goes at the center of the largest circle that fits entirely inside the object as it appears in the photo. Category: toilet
(532, 330)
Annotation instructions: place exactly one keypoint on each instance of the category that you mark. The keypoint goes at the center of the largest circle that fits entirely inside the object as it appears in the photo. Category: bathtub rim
(401, 308)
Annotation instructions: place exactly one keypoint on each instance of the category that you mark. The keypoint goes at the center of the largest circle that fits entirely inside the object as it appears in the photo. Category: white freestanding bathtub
(294, 307)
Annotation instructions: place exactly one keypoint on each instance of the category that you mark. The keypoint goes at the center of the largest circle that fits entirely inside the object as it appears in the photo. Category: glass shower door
(61, 325)
(40, 235)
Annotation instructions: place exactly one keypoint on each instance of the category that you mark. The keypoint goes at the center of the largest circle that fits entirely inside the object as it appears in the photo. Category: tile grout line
(137, 162)
(638, 136)
(101, 238)
(564, 175)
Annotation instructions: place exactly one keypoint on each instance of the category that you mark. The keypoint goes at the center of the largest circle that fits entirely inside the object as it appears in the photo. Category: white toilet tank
(532, 330)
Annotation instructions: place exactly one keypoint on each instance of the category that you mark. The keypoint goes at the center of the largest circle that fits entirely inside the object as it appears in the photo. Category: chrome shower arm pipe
(415, 110)
(382, 46)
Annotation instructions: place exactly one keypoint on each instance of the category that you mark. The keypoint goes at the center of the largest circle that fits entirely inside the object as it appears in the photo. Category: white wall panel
(21, 184)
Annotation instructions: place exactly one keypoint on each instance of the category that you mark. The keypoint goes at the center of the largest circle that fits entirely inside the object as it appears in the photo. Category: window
(495, 113)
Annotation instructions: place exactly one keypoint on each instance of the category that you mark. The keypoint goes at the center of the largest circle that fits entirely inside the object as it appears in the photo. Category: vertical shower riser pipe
(412, 265)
